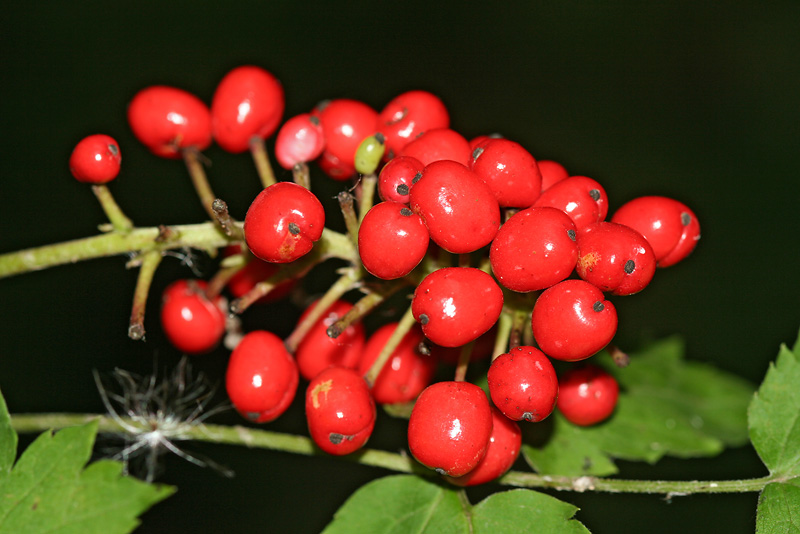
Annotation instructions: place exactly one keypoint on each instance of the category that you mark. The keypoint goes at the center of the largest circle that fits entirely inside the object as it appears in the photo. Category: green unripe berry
(369, 153)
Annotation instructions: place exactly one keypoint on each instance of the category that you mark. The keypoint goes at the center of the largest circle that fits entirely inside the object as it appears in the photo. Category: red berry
(407, 371)
(299, 140)
(455, 305)
(450, 426)
(523, 384)
(572, 320)
(254, 272)
(95, 159)
(481, 349)
(319, 351)
(505, 443)
(167, 120)
(580, 197)
(615, 258)
(392, 240)
(534, 249)
(587, 395)
(192, 323)
(339, 410)
(552, 172)
(510, 172)
(247, 103)
(283, 222)
(671, 228)
(345, 123)
(459, 210)
(397, 176)
(408, 115)
(262, 377)
(439, 144)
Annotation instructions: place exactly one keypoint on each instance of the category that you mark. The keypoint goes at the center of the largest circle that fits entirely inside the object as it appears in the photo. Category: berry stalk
(200, 181)
(405, 324)
(149, 263)
(261, 159)
(119, 221)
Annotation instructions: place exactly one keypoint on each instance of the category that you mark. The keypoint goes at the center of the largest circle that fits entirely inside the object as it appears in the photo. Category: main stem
(265, 439)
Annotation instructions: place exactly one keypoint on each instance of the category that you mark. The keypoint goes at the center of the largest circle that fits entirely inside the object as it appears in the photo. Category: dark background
(699, 101)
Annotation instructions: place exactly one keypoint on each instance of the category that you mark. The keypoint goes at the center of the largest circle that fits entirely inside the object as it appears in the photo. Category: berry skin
(580, 197)
(397, 176)
(392, 240)
(369, 153)
(95, 159)
(523, 384)
(345, 124)
(408, 115)
(248, 102)
(439, 144)
(407, 371)
(459, 210)
(449, 428)
(552, 172)
(572, 321)
(534, 249)
(168, 120)
(339, 410)
(671, 228)
(615, 258)
(283, 222)
(510, 172)
(505, 443)
(455, 305)
(262, 377)
(319, 351)
(587, 395)
(299, 140)
(192, 323)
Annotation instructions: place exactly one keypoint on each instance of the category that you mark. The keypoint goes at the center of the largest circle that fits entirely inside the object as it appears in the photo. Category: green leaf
(48, 491)
(406, 504)
(774, 415)
(667, 406)
(8, 439)
(779, 509)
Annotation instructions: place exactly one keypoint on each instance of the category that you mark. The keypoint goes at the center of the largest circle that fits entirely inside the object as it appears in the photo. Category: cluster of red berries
(528, 226)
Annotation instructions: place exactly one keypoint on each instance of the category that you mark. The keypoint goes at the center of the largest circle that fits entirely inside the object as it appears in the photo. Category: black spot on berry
(337, 438)
(402, 189)
(595, 194)
(380, 138)
(630, 265)
(417, 178)
(423, 319)
(405, 212)
(113, 149)
(571, 234)
(686, 219)
(293, 228)
(598, 306)
(477, 152)
(440, 471)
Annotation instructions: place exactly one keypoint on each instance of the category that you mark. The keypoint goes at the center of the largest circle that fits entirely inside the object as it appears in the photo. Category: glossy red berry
(254, 272)
(407, 371)
(299, 140)
(345, 123)
(509, 170)
(587, 395)
(439, 144)
(95, 159)
(534, 249)
(455, 305)
(450, 426)
(192, 323)
(397, 176)
(505, 443)
(580, 197)
(339, 410)
(319, 351)
(168, 120)
(523, 384)
(392, 240)
(572, 321)
(552, 172)
(248, 102)
(459, 210)
(615, 258)
(671, 228)
(261, 379)
(283, 222)
(408, 115)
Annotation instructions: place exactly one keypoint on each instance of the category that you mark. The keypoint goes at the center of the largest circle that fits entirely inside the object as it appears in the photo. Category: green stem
(394, 340)
(261, 160)
(265, 439)
(204, 236)
(119, 221)
(150, 263)
(191, 158)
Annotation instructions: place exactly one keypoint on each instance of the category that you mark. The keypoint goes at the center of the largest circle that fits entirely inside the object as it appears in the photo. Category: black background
(699, 101)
